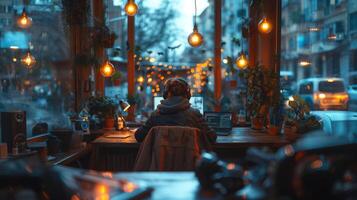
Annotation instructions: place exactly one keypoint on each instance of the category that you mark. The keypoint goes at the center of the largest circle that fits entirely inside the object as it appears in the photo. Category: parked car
(338, 123)
(352, 93)
(324, 93)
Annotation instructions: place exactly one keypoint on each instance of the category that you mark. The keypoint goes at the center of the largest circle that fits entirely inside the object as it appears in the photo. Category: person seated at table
(175, 110)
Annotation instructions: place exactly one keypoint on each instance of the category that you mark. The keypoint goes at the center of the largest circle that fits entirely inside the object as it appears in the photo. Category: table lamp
(121, 121)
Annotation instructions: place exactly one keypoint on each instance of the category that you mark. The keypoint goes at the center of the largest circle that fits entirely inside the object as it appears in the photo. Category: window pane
(335, 86)
(162, 50)
(44, 89)
(318, 44)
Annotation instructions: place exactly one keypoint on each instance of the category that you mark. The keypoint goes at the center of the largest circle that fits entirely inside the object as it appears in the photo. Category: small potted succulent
(298, 119)
(103, 108)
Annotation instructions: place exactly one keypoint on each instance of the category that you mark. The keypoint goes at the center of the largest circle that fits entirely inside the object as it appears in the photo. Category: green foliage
(298, 114)
(101, 106)
(116, 75)
(260, 85)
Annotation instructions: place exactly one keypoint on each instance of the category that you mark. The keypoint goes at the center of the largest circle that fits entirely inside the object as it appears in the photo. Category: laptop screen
(196, 103)
(219, 120)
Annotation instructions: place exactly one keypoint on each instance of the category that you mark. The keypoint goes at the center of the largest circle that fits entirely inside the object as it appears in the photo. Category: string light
(131, 8)
(107, 69)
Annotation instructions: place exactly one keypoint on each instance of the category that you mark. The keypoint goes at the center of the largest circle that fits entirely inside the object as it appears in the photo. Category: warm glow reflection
(265, 26)
(316, 164)
(107, 174)
(107, 70)
(24, 21)
(195, 39)
(231, 166)
(101, 192)
(131, 8)
(332, 37)
(322, 95)
(304, 63)
(129, 187)
(28, 60)
(289, 150)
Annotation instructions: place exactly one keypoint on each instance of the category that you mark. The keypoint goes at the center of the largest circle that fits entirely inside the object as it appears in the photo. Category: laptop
(221, 122)
(196, 102)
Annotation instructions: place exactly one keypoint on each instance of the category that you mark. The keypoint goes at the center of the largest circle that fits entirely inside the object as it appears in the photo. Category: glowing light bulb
(107, 70)
(195, 39)
(24, 21)
(242, 61)
(28, 60)
(131, 8)
(265, 26)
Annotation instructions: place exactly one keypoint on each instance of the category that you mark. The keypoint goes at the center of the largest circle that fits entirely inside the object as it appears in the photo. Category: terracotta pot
(257, 123)
(108, 123)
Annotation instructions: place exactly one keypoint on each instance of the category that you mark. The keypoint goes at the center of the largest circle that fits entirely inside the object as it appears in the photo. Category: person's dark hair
(177, 87)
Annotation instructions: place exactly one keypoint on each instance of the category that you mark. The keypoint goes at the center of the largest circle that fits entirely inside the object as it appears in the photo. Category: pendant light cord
(195, 14)
(241, 29)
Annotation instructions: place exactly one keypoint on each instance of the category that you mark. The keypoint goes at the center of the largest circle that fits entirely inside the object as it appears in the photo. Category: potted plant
(103, 108)
(256, 96)
(298, 119)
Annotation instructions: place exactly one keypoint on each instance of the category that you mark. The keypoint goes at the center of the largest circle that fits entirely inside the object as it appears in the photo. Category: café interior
(178, 99)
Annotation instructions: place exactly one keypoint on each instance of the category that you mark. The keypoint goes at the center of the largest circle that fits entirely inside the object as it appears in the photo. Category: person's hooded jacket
(175, 111)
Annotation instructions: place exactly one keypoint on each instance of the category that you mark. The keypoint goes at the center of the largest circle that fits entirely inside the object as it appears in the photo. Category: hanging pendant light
(131, 8)
(195, 39)
(107, 69)
(264, 26)
(242, 61)
(24, 21)
(28, 60)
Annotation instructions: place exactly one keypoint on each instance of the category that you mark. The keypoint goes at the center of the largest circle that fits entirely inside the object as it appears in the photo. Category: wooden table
(170, 185)
(165, 185)
(118, 154)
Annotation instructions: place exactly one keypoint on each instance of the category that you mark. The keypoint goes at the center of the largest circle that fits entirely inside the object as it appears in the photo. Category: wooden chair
(169, 148)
